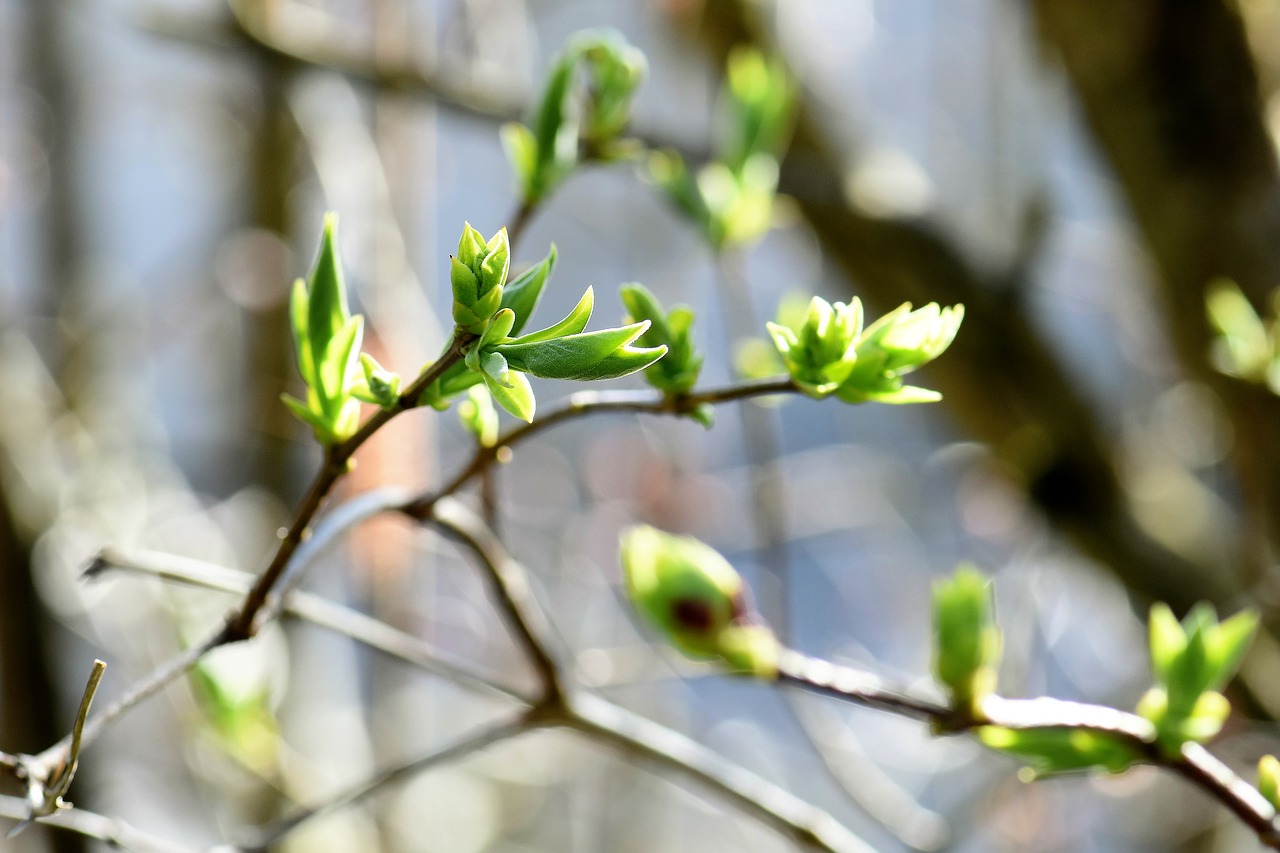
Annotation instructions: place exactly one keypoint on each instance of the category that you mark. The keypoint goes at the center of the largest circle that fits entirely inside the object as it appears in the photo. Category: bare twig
(113, 832)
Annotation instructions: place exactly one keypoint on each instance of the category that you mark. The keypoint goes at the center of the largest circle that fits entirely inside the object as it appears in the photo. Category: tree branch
(1195, 764)
(113, 832)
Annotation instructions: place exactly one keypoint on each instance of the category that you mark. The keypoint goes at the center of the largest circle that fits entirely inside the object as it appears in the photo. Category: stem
(242, 625)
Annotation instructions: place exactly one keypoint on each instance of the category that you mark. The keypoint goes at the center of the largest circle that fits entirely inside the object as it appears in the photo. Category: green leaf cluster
(544, 154)
(1246, 345)
(478, 273)
(327, 339)
(1192, 661)
(696, 599)
(830, 352)
(561, 351)
(731, 198)
(676, 372)
(966, 639)
(1050, 751)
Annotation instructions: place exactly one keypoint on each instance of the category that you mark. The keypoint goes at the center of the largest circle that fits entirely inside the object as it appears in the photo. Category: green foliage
(830, 353)
(696, 599)
(677, 371)
(1269, 779)
(542, 156)
(966, 639)
(731, 198)
(1051, 751)
(560, 351)
(327, 339)
(380, 387)
(1191, 662)
(1246, 346)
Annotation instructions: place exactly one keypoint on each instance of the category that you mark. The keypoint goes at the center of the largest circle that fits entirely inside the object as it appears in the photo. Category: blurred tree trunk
(1170, 93)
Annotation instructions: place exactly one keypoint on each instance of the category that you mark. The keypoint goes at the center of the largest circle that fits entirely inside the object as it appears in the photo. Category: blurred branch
(112, 832)
(315, 609)
(634, 735)
(452, 751)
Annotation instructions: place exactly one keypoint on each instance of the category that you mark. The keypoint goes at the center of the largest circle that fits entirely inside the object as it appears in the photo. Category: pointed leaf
(571, 356)
(298, 307)
(574, 323)
(517, 398)
(319, 425)
(327, 291)
(622, 362)
(522, 294)
(1167, 641)
(1228, 646)
(339, 358)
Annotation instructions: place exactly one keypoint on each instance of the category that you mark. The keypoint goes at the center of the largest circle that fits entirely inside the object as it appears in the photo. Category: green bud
(1269, 779)
(381, 387)
(478, 273)
(1191, 662)
(820, 354)
(966, 638)
(696, 599)
(893, 346)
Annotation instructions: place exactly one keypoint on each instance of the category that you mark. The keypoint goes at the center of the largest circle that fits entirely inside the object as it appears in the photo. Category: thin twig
(451, 751)
(592, 403)
(509, 586)
(111, 831)
(315, 609)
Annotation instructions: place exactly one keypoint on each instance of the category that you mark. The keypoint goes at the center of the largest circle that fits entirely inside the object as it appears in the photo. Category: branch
(113, 832)
(242, 625)
(509, 586)
(451, 751)
(592, 403)
(1194, 763)
(315, 609)
(629, 733)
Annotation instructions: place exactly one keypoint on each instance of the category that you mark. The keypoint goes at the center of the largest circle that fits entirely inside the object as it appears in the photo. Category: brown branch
(591, 403)
(241, 626)
(1194, 763)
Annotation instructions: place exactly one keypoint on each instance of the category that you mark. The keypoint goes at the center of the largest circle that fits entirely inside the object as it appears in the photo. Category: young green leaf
(516, 397)
(1269, 779)
(966, 639)
(677, 371)
(1052, 751)
(479, 417)
(522, 294)
(381, 387)
(572, 324)
(603, 354)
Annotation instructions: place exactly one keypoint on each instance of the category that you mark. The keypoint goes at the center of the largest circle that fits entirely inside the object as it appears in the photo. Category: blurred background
(1076, 172)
